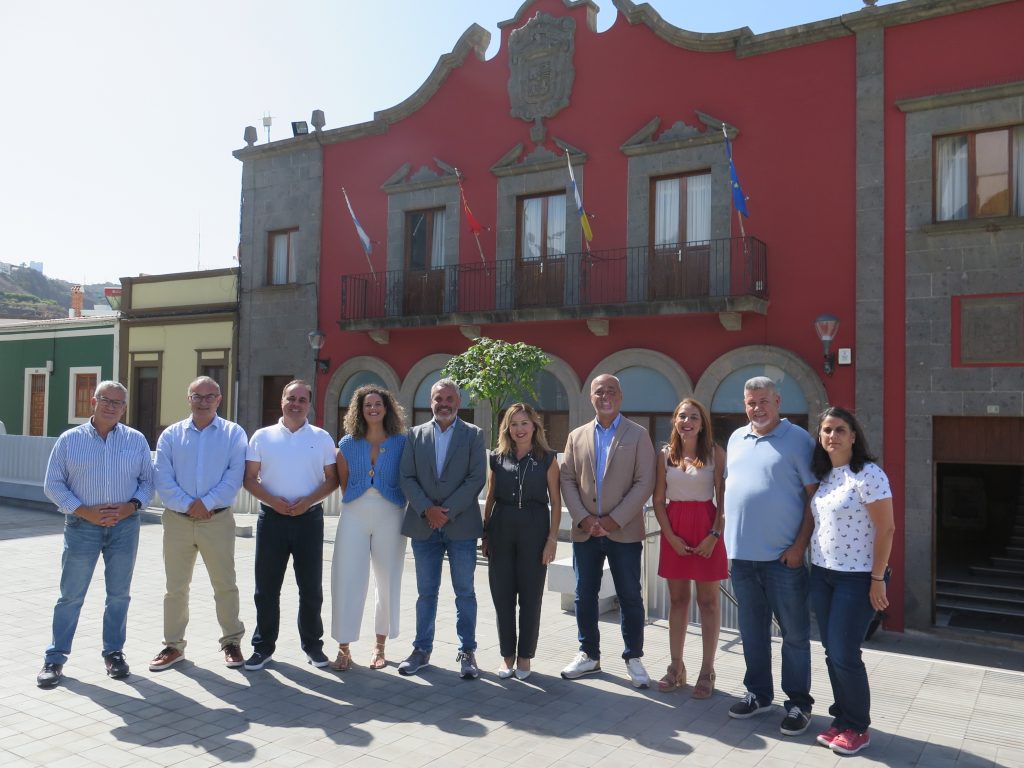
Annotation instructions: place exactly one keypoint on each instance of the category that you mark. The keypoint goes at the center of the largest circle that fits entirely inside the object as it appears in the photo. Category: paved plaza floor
(963, 710)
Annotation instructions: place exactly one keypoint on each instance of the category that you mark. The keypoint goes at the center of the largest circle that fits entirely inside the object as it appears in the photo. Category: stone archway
(343, 373)
(641, 358)
(809, 381)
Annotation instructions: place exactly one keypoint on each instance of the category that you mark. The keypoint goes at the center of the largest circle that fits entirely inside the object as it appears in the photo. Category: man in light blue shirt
(100, 475)
(200, 462)
(768, 486)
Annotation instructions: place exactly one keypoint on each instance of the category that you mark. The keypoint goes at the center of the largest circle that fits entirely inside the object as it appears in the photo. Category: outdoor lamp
(316, 341)
(826, 326)
(300, 128)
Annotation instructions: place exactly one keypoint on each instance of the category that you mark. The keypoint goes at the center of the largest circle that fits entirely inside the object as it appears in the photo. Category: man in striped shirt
(100, 475)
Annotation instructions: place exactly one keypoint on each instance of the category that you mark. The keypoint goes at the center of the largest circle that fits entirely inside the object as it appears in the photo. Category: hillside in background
(30, 295)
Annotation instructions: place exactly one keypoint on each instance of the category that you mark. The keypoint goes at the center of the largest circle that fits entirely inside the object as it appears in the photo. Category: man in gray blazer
(442, 473)
(607, 477)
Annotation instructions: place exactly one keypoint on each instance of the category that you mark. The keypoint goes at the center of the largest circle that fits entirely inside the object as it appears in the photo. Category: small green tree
(496, 372)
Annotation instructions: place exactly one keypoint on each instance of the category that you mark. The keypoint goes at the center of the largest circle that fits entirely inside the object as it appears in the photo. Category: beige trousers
(214, 539)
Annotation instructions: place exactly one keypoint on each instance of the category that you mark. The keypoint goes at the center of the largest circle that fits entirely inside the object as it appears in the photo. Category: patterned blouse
(844, 536)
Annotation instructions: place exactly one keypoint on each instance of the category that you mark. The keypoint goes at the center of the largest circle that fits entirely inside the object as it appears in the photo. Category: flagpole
(474, 230)
(364, 239)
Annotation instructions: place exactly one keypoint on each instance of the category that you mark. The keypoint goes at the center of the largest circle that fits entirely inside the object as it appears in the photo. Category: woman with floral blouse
(853, 530)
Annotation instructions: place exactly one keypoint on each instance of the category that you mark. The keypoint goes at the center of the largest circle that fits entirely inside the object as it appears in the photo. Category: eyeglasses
(196, 398)
(108, 402)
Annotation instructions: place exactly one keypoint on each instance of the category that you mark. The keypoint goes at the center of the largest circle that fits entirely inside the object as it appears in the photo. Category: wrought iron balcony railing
(686, 272)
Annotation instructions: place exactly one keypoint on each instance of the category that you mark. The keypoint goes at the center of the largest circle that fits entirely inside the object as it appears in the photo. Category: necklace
(373, 462)
(521, 475)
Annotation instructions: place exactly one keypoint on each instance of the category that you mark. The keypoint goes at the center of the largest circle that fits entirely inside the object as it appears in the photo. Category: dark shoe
(748, 706)
(117, 667)
(233, 655)
(318, 658)
(257, 661)
(165, 658)
(795, 722)
(50, 675)
(468, 669)
(417, 660)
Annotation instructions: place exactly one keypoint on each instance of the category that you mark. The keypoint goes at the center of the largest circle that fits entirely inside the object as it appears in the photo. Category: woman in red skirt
(688, 494)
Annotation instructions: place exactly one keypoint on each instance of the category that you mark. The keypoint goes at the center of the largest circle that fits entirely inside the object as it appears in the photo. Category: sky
(118, 117)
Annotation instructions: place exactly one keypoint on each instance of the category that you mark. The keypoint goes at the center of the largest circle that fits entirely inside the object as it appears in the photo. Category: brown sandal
(705, 686)
(377, 660)
(343, 663)
(675, 677)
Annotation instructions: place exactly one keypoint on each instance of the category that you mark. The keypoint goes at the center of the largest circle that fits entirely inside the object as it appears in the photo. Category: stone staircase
(990, 594)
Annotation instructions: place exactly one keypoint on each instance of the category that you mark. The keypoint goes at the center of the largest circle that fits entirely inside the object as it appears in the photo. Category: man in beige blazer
(607, 477)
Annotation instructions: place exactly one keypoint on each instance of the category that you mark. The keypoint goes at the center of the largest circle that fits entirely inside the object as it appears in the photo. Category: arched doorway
(727, 412)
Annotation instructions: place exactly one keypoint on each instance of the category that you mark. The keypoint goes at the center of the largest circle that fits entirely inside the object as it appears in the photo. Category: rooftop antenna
(267, 120)
(199, 242)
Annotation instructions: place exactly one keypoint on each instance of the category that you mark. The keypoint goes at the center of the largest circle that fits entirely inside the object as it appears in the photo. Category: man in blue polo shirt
(768, 486)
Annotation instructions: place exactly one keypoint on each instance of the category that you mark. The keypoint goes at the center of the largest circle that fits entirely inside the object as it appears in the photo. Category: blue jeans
(83, 545)
(429, 553)
(763, 588)
(841, 604)
(624, 563)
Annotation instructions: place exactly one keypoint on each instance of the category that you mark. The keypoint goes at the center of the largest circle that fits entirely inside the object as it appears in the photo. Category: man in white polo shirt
(290, 468)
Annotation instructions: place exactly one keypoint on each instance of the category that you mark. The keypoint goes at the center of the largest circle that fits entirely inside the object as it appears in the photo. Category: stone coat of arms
(540, 59)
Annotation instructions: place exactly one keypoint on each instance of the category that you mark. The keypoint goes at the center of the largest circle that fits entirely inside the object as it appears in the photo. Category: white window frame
(72, 374)
(27, 397)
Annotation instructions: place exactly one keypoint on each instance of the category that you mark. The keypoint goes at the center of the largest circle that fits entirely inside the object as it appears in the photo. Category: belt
(212, 511)
(316, 507)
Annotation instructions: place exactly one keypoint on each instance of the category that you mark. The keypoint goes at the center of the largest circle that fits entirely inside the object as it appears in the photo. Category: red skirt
(691, 521)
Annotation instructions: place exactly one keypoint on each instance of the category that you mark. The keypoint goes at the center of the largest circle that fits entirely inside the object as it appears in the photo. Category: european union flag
(739, 200)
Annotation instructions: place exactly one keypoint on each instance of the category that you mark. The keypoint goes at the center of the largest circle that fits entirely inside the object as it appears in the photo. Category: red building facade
(833, 128)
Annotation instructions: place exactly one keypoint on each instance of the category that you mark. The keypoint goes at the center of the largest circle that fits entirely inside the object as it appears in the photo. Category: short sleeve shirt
(844, 536)
(765, 491)
(291, 463)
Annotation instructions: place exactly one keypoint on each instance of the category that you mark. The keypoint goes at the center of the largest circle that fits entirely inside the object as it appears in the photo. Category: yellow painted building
(174, 328)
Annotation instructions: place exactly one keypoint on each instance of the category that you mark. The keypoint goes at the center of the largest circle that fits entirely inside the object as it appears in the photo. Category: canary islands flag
(584, 221)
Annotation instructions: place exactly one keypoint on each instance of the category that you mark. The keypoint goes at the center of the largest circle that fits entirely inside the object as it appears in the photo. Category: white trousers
(369, 533)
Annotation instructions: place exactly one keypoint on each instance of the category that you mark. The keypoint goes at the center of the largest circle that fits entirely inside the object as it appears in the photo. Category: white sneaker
(580, 666)
(637, 673)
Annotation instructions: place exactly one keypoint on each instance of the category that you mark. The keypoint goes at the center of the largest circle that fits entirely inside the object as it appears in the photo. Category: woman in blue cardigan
(369, 527)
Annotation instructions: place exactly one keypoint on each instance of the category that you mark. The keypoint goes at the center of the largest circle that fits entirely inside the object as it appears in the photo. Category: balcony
(710, 276)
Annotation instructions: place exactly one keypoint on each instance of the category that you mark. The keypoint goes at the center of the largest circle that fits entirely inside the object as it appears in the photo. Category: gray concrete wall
(281, 190)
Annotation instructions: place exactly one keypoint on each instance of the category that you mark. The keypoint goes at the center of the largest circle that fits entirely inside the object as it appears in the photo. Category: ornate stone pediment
(680, 134)
(406, 180)
(540, 158)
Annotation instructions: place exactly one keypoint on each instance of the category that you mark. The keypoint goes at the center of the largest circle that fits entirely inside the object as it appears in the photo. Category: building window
(424, 240)
(281, 256)
(81, 387)
(979, 174)
(541, 227)
(681, 209)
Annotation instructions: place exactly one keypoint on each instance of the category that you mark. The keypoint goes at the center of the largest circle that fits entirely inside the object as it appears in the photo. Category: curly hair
(394, 414)
(821, 464)
(705, 438)
(507, 446)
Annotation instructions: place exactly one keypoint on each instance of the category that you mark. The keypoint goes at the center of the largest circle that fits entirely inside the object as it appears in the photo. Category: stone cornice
(590, 5)
(746, 43)
(681, 38)
(541, 158)
(475, 39)
(970, 96)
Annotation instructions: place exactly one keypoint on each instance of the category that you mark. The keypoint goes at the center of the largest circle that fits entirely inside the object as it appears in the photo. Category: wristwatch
(136, 503)
(714, 533)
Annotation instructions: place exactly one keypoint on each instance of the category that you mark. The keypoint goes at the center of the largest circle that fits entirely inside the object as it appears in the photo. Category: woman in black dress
(521, 520)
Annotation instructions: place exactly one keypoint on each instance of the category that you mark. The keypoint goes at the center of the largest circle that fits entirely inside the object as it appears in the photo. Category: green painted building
(49, 370)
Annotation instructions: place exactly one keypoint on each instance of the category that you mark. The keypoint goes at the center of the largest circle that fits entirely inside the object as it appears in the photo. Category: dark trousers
(277, 538)
(624, 563)
(515, 545)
